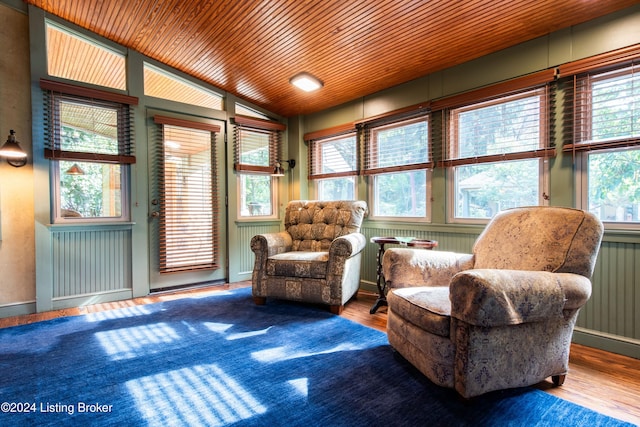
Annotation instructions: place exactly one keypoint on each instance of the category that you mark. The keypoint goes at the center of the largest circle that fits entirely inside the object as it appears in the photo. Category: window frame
(451, 147)
(274, 197)
(317, 161)
(373, 171)
(55, 93)
(273, 129)
(582, 145)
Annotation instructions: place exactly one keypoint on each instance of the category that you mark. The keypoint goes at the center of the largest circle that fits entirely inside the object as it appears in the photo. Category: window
(189, 215)
(398, 162)
(333, 165)
(79, 58)
(495, 154)
(256, 152)
(250, 112)
(89, 142)
(607, 143)
(165, 85)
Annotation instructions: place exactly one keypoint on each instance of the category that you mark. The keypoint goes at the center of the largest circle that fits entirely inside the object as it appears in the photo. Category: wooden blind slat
(104, 95)
(333, 131)
(496, 90)
(164, 120)
(259, 123)
(608, 59)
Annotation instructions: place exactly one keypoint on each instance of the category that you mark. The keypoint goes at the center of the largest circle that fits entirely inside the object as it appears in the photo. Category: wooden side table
(403, 241)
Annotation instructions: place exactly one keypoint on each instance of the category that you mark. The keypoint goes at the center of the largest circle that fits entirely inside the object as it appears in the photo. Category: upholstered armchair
(316, 259)
(500, 317)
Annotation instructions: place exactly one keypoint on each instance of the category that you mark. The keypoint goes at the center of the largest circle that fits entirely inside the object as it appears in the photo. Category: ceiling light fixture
(306, 82)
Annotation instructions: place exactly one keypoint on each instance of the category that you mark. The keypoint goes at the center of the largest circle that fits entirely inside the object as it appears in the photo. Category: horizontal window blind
(87, 124)
(334, 155)
(603, 109)
(188, 195)
(398, 143)
(508, 128)
(257, 144)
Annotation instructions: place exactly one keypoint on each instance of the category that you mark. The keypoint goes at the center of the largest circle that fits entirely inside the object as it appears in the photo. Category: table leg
(380, 283)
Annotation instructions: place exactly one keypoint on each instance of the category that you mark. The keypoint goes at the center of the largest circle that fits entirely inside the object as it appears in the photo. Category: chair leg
(260, 300)
(336, 309)
(558, 380)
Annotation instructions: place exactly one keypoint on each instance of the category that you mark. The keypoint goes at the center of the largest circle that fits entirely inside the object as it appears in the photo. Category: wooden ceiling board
(251, 48)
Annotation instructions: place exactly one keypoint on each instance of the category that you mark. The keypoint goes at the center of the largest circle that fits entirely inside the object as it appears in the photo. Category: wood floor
(605, 382)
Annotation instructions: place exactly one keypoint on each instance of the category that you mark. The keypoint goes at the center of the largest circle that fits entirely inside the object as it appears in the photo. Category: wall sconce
(279, 171)
(15, 155)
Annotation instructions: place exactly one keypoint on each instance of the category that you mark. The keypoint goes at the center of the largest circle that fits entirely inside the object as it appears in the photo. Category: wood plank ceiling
(251, 48)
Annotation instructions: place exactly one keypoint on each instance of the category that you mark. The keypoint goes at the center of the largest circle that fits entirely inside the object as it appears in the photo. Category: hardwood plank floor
(605, 382)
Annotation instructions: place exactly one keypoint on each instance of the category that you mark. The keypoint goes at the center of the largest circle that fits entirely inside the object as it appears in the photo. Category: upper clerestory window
(75, 57)
(163, 84)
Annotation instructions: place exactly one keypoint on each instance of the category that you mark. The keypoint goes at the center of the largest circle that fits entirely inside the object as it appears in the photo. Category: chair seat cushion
(298, 264)
(427, 307)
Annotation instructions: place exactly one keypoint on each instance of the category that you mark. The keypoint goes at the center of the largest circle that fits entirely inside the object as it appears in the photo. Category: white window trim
(274, 200)
(543, 185)
(316, 184)
(125, 214)
(410, 219)
(582, 188)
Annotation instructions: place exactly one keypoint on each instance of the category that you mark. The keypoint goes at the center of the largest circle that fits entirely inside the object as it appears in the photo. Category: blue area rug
(221, 360)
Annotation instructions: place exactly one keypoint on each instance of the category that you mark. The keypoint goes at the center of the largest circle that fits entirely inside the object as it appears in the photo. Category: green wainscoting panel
(88, 262)
(615, 299)
(246, 231)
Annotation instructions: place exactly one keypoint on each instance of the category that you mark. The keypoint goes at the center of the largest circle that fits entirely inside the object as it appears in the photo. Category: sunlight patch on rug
(279, 354)
(138, 310)
(133, 342)
(300, 386)
(197, 395)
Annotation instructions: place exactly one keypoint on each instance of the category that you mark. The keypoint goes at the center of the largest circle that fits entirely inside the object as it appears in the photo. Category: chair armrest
(487, 297)
(404, 267)
(347, 245)
(270, 244)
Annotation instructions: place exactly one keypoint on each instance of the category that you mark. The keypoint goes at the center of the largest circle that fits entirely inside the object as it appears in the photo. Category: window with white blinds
(189, 214)
(605, 107)
(257, 149)
(334, 165)
(495, 152)
(89, 140)
(398, 161)
(257, 144)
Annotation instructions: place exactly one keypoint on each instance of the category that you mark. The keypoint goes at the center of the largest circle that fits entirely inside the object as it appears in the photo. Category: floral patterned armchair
(316, 259)
(503, 316)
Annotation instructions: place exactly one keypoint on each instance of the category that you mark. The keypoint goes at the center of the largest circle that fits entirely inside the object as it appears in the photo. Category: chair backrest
(314, 224)
(540, 238)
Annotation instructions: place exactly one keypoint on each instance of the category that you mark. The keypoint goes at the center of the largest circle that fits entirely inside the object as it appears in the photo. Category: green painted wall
(606, 322)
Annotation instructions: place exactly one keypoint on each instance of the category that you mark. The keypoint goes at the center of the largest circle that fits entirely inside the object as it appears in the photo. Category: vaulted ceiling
(251, 48)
